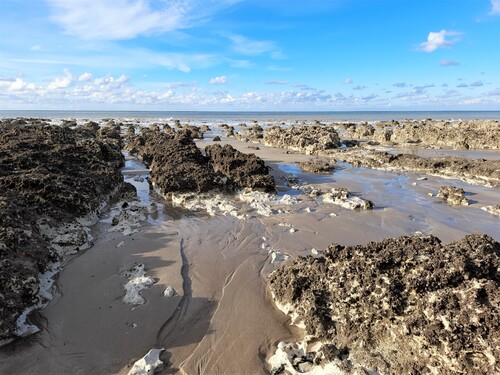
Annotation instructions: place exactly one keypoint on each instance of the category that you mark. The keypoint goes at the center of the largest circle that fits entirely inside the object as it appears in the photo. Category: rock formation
(453, 196)
(49, 176)
(407, 305)
(241, 170)
(475, 170)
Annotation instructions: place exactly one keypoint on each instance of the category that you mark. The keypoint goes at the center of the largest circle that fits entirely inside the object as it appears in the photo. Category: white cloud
(15, 85)
(347, 81)
(127, 19)
(175, 85)
(85, 77)
(250, 47)
(36, 47)
(62, 82)
(495, 8)
(221, 80)
(400, 84)
(438, 40)
(276, 82)
(446, 63)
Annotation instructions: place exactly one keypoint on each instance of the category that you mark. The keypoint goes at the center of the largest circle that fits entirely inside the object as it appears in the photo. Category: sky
(250, 55)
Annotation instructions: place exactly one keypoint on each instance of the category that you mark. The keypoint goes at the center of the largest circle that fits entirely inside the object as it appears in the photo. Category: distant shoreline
(258, 115)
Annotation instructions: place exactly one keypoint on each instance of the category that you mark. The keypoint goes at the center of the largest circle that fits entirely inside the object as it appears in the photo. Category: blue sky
(310, 55)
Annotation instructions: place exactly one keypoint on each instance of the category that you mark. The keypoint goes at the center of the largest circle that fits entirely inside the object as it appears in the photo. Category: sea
(215, 117)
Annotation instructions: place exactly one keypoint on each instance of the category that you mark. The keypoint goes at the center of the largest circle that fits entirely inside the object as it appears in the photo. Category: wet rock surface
(433, 133)
(342, 197)
(49, 176)
(453, 196)
(404, 305)
(474, 170)
(242, 170)
(176, 163)
(178, 166)
(317, 166)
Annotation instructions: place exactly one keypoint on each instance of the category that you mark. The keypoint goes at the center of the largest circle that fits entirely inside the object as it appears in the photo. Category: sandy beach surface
(222, 318)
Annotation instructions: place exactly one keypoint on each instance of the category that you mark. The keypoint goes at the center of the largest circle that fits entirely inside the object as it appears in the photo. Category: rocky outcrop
(342, 197)
(177, 165)
(479, 171)
(241, 170)
(494, 210)
(305, 139)
(453, 196)
(49, 177)
(407, 305)
(317, 166)
(475, 134)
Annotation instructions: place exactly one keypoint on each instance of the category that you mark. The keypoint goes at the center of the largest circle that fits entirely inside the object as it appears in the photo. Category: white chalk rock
(169, 291)
(148, 364)
(138, 280)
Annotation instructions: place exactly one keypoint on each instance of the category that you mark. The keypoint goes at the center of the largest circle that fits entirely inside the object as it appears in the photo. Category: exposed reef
(54, 180)
(479, 171)
(404, 305)
(177, 165)
(432, 133)
(242, 170)
(304, 139)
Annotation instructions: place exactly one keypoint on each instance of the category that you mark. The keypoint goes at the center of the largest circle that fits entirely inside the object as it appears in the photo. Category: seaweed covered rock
(407, 305)
(242, 170)
(176, 163)
(305, 139)
(57, 171)
(49, 177)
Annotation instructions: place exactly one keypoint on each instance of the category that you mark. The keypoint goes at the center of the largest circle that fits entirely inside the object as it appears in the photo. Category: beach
(187, 270)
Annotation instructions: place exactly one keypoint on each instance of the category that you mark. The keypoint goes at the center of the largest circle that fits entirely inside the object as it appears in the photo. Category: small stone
(169, 291)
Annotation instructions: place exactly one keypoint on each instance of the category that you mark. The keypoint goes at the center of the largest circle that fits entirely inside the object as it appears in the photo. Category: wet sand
(223, 319)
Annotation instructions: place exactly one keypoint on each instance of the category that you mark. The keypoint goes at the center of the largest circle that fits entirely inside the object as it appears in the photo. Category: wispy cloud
(399, 84)
(447, 63)
(477, 84)
(176, 85)
(347, 81)
(276, 82)
(359, 87)
(246, 46)
(438, 39)
(127, 19)
(221, 80)
(495, 8)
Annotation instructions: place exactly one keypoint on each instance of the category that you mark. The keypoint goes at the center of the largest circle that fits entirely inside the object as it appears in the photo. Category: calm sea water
(259, 116)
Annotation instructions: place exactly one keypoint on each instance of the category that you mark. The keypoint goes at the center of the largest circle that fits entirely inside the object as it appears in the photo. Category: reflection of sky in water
(292, 169)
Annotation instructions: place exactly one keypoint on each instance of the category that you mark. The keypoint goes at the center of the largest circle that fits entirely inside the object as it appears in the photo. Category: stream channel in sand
(222, 319)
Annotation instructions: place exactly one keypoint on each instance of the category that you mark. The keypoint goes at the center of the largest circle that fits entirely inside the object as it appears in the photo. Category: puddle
(292, 169)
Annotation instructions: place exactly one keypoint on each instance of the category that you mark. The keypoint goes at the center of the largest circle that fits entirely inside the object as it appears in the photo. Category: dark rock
(242, 170)
(406, 305)
(216, 138)
(175, 162)
(49, 176)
